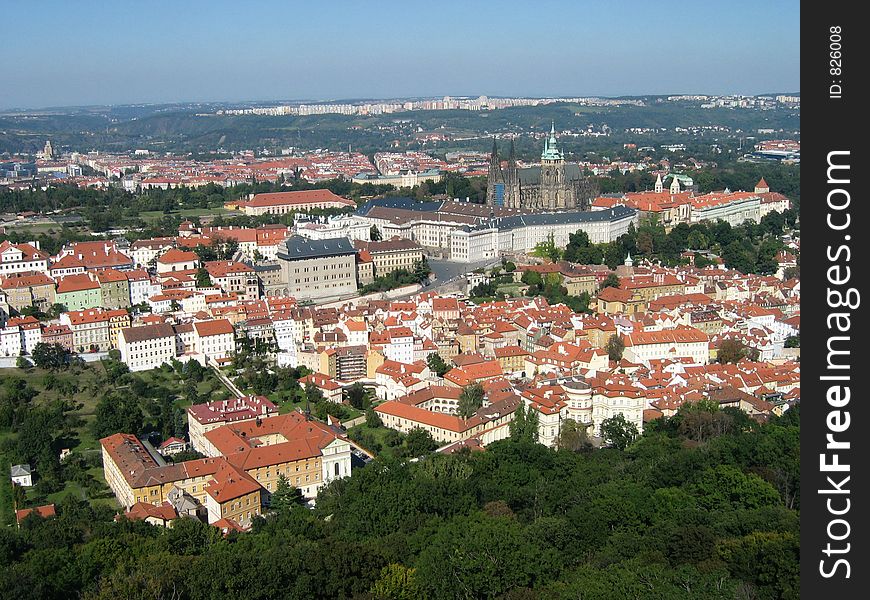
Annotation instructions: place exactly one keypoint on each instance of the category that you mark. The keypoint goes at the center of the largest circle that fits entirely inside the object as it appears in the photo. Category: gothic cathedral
(554, 186)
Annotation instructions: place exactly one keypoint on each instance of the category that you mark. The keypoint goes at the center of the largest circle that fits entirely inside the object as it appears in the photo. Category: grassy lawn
(210, 387)
(379, 435)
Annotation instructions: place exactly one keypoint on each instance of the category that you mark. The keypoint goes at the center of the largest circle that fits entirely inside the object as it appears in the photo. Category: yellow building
(511, 358)
(244, 463)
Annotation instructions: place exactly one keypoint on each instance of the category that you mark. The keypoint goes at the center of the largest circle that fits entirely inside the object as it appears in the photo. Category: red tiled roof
(42, 511)
(297, 198)
(174, 255)
(76, 283)
(26, 279)
(216, 327)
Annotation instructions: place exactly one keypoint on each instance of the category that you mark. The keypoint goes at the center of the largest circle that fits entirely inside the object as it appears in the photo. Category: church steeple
(659, 185)
(551, 149)
(494, 176)
(675, 185)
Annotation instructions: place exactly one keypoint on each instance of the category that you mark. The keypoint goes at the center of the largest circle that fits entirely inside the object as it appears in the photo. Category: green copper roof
(551, 151)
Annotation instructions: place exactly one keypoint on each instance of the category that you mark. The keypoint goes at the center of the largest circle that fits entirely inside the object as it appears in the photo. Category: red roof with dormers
(175, 256)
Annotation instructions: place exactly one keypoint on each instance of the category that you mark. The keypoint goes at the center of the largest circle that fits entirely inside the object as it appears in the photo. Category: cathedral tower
(494, 182)
(553, 188)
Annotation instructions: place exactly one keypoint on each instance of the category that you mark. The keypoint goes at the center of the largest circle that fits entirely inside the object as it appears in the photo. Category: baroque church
(555, 185)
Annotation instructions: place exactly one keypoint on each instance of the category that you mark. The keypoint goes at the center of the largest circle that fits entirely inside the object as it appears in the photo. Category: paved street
(447, 271)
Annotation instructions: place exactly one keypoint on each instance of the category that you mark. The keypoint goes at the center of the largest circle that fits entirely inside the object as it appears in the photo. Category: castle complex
(555, 185)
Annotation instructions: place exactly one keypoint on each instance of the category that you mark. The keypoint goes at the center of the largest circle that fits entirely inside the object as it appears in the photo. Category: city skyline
(234, 54)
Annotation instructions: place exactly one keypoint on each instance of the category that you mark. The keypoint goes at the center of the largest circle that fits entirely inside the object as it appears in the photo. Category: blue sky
(60, 53)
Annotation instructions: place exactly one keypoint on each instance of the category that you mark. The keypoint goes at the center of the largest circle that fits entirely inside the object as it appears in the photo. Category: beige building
(489, 423)
(29, 289)
(254, 452)
(392, 255)
(147, 347)
(90, 329)
(317, 269)
(202, 418)
(176, 260)
(670, 344)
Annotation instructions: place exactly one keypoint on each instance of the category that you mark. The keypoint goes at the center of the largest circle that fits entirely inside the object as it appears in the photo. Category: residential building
(176, 260)
(90, 329)
(29, 288)
(213, 340)
(78, 292)
(21, 258)
(680, 342)
(61, 335)
(234, 278)
(114, 288)
(147, 347)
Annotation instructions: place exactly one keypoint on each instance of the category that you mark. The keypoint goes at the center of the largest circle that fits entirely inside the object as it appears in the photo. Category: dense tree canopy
(664, 519)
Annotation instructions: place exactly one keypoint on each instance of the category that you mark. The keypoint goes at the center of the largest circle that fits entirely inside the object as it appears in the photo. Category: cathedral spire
(659, 186)
(551, 150)
(494, 148)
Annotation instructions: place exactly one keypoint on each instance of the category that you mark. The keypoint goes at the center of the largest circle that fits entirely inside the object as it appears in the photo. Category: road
(448, 271)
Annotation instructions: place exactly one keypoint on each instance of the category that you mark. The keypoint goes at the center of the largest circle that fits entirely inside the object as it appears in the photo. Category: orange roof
(474, 372)
(42, 511)
(297, 198)
(230, 483)
(28, 322)
(355, 326)
(682, 334)
(66, 262)
(110, 275)
(26, 279)
(240, 442)
(222, 268)
(76, 283)
(426, 417)
(216, 327)
(506, 351)
(613, 294)
(174, 255)
(144, 510)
